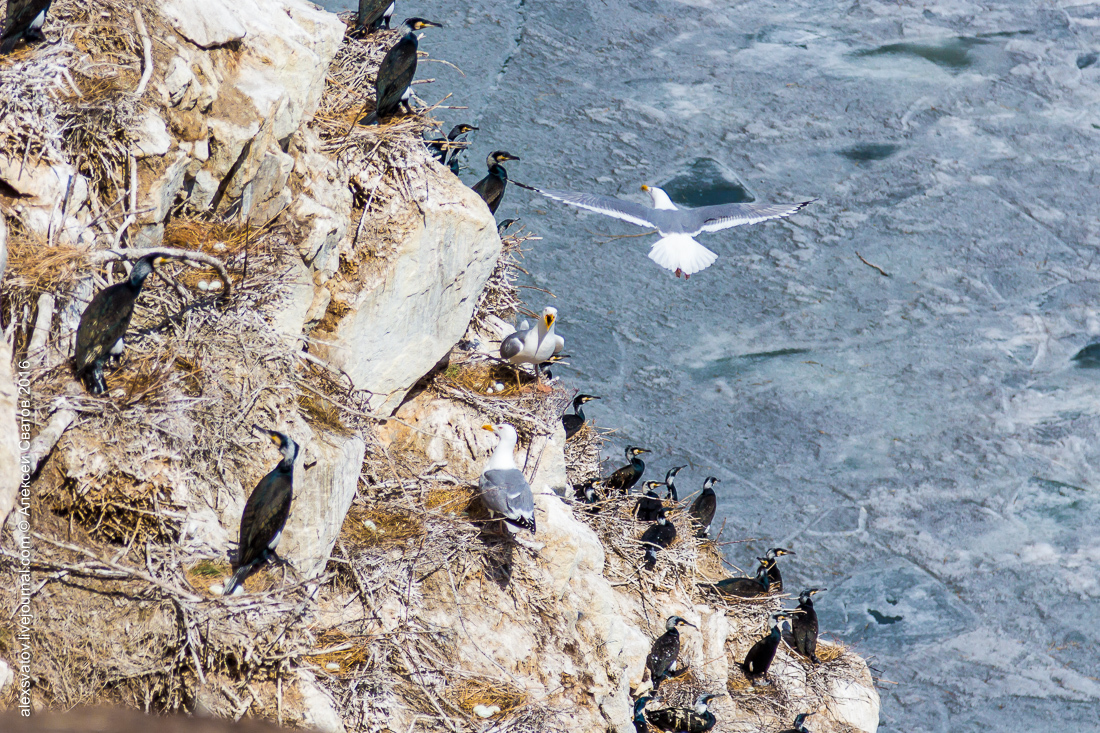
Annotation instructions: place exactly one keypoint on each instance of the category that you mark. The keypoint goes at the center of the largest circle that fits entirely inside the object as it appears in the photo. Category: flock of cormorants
(504, 489)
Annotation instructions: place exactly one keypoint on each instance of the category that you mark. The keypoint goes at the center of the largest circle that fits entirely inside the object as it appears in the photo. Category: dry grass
(471, 692)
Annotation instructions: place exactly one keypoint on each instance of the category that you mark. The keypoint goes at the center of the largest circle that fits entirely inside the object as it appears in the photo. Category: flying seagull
(677, 249)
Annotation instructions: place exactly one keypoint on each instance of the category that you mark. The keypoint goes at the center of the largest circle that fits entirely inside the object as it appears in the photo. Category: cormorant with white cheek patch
(747, 587)
(396, 72)
(573, 423)
(670, 481)
(774, 577)
(759, 659)
(649, 503)
(623, 479)
(657, 537)
(491, 188)
(697, 719)
(804, 625)
(703, 508)
(663, 655)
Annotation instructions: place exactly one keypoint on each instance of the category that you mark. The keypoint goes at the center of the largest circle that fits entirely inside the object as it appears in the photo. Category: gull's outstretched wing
(625, 210)
(724, 216)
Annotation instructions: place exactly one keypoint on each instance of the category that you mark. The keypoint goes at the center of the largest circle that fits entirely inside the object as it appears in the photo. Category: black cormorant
(804, 625)
(799, 724)
(670, 481)
(640, 725)
(747, 587)
(441, 150)
(591, 492)
(774, 576)
(504, 225)
(396, 72)
(24, 20)
(623, 479)
(698, 719)
(649, 503)
(665, 651)
(265, 513)
(491, 187)
(658, 536)
(702, 509)
(573, 423)
(104, 322)
(373, 15)
(760, 657)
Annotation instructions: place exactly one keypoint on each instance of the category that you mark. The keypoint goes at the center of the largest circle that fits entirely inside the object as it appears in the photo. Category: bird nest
(500, 298)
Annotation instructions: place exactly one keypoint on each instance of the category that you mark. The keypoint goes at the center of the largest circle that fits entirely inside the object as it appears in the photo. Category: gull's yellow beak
(488, 427)
(645, 187)
(549, 320)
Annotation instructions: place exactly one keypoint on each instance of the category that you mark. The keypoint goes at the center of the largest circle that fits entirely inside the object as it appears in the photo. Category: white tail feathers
(681, 254)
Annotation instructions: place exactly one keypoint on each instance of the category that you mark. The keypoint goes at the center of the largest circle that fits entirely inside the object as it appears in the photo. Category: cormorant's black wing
(703, 509)
(265, 515)
(395, 73)
(491, 189)
(21, 13)
(369, 12)
(103, 323)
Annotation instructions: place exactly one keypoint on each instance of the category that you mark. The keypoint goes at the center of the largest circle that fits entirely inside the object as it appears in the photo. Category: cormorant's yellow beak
(159, 260)
(274, 438)
(488, 427)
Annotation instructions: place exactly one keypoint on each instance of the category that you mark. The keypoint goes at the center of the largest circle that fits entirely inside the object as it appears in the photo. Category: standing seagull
(396, 72)
(533, 345)
(759, 659)
(573, 423)
(804, 625)
(677, 249)
(698, 719)
(491, 187)
(104, 322)
(665, 652)
(702, 510)
(373, 15)
(24, 20)
(265, 513)
(504, 489)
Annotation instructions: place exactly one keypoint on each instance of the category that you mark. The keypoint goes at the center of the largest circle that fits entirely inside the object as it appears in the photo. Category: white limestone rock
(207, 24)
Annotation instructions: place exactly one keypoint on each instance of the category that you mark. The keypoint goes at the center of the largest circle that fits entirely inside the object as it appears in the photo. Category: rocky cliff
(321, 276)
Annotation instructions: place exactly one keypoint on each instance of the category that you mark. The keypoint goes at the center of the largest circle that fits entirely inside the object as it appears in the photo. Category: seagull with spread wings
(677, 249)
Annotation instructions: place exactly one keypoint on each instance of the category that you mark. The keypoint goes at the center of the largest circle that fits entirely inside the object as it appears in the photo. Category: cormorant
(591, 492)
(533, 345)
(799, 724)
(670, 481)
(491, 187)
(759, 659)
(503, 226)
(649, 503)
(702, 510)
(504, 489)
(623, 479)
(640, 725)
(698, 719)
(1089, 356)
(665, 651)
(573, 423)
(545, 366)
(441, 150)
(104, 322)
(396, 72)
(747, 587)
(773, 571)
(265, 513)
(804, 625)
(657, 537)
(373, 15)
(677, 249)
(24, 20)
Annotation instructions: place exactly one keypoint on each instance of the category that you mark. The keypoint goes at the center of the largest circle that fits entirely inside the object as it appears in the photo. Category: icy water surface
(920, 439)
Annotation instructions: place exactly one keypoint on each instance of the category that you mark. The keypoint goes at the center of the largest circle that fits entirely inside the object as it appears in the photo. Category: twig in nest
(110, 255)
(147, 52)
(881, 271)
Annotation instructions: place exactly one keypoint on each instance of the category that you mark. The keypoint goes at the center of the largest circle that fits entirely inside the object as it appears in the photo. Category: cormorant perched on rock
(665, 651)
(373, 15)
(533, 345)
(396, 72)
(649, 503)
(670, 481)
(573, 423)
(1088, 356)
(804, 625)
(623, 479)
(759, 659)
(702, 509)
(491, 187)
(24, 20)
(747, 587)
(640, 725)
(504, 488)
(104, 322)
(799, 724)
(504, 225)
(698, 719)
(265, 513)
(774, 576)
(677, 249)
(657, 537)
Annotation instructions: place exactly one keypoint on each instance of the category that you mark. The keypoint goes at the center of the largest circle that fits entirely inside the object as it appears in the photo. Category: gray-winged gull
(677, 249)
(533, 345)
(504, 489)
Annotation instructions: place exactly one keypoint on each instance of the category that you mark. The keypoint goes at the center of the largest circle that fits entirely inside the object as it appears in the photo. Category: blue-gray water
(921, 440)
